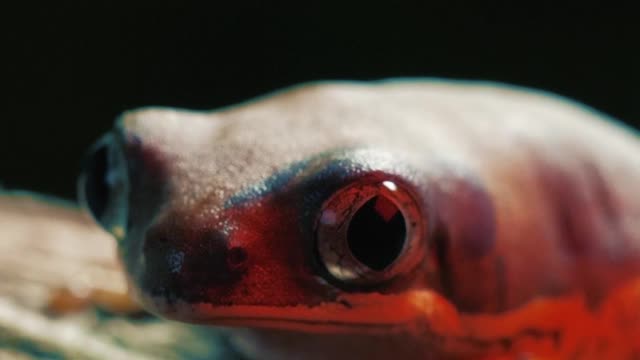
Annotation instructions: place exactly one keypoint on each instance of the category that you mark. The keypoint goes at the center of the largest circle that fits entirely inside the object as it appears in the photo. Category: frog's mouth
(310, 325)
(353, 313)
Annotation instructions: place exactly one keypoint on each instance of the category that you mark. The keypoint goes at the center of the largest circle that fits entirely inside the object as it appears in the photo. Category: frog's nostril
(102, 186)
(236, 257)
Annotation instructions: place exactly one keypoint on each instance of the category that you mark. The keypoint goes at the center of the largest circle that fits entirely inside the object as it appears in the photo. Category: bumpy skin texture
(530, 209)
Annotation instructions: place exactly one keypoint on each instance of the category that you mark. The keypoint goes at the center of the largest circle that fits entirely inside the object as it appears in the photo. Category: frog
(411, 218)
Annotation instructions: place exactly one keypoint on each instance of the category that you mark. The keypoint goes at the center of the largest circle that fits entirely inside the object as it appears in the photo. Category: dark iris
(96, 187)
(377, 233)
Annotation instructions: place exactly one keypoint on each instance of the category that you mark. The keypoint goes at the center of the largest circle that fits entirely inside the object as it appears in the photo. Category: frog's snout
(103, 185)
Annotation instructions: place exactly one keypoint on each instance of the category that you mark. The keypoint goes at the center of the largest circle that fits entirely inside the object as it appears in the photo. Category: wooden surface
(60, 285)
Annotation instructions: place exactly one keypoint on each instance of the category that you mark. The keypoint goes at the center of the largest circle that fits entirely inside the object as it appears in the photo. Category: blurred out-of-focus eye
(369, 232)
(103, 185)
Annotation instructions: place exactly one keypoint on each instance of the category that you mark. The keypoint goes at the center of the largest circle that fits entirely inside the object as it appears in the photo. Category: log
(63, 293)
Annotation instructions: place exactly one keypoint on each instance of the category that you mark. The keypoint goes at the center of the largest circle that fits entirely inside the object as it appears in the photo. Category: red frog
(409, 219)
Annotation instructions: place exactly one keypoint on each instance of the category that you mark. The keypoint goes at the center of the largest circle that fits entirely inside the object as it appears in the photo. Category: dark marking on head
(275, 182)
(440, 247)
(471, 219)
(185, 263)
(568, 203)
(585, 216)
(606, 201)
(463, 239)
(608, 206)
(502, 286)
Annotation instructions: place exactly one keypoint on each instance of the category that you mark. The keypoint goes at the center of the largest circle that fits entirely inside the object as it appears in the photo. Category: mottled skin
(529, 204)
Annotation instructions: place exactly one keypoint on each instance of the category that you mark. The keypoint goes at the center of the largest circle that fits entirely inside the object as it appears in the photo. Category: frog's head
(270, 214)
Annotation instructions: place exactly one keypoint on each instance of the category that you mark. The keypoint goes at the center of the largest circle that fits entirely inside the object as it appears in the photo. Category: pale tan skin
(517, 144)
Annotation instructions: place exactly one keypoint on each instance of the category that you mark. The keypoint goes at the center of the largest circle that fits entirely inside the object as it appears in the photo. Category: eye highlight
(369, 232)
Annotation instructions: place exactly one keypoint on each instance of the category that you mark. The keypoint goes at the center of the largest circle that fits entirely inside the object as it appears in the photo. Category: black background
(70, 67)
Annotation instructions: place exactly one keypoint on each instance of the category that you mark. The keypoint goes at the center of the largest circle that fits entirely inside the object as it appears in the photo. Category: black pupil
(96, 189)
(377, 232)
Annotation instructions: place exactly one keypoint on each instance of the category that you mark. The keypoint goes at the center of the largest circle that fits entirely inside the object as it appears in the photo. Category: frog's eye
(369, 232)
(103, 186)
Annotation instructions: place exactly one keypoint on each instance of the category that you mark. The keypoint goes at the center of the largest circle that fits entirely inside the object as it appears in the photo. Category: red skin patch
(263, 260)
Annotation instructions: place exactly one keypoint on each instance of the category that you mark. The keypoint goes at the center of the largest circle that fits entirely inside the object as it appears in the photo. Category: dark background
(70, 67)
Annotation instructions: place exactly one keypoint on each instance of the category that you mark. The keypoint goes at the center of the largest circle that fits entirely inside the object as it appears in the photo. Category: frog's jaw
(364, 313)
